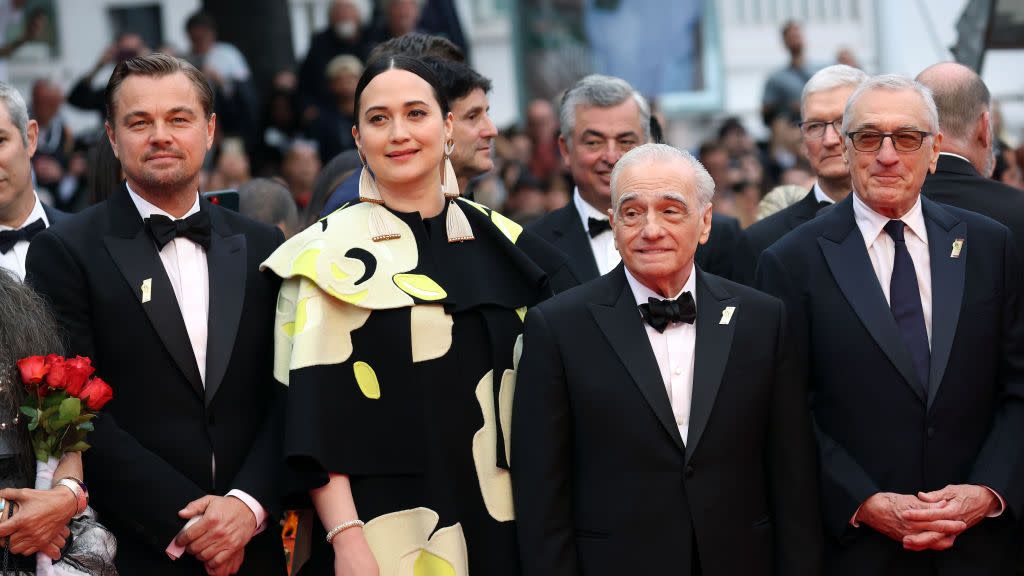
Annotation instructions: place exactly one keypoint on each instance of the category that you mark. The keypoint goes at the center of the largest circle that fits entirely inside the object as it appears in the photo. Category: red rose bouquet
(63, 398)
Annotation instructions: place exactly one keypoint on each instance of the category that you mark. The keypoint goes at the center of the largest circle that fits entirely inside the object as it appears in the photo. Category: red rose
(32, 369)
(76, 372)
(55, 372)
(96, 394)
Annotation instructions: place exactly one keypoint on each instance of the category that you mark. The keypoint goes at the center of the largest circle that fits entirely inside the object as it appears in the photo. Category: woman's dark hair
(408, 64)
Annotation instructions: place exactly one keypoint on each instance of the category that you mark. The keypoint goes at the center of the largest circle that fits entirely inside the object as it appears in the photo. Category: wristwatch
(79, 489)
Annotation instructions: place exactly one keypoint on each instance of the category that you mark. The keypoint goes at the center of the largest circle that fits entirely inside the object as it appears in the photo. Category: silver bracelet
(342, 527)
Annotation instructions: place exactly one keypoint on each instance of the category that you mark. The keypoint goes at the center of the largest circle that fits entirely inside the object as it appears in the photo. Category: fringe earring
(456, 222)
(379, 225)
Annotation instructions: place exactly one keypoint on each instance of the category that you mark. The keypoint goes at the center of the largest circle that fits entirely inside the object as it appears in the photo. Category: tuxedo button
(931, 431)
(678, 370)
(688, 473)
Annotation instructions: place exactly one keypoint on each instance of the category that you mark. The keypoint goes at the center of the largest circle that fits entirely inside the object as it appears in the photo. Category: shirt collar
(820, 195)
(641, 293)
(954, 156)
(585, 210)
(147, 209)
(37, 213)
(871, 223)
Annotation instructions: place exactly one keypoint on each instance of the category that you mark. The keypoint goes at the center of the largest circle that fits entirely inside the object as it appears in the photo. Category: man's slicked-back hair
(458, 78)
(157, 65)
(830, 78)
(653, 152)
(893, 82)
(960, 98)
(16, 108)
(418, 45)
(600, 91)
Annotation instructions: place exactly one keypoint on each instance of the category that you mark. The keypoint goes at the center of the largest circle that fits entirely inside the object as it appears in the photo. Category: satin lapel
(711, 353)
(140, 263)
(806, 209)
(948, 275)
(573, 241)
(624, 329)
(852, 271)
(226, 260)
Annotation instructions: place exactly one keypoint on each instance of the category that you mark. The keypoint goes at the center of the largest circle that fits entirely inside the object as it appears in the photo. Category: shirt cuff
(175, 550)
(1002, 503)
(853, 519)
(257, 510)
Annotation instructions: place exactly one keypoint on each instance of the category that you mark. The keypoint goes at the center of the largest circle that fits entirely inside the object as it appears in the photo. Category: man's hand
(225, 563)
(966, 503)
(916, 523)
(226, 526)
(40, 523)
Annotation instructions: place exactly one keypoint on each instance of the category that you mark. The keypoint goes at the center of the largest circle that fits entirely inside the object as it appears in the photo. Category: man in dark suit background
(679, 446)
(602, 118)
(151, 284)
(821, 107)
(962, 177)
(22, 215)
(906, 316)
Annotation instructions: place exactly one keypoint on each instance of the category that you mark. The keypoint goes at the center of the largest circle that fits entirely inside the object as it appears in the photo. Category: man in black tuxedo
(602, 118)
(22, 215)
(151, 284)
(962, 177)
(677, 446)
(821, 107)
(906, 316)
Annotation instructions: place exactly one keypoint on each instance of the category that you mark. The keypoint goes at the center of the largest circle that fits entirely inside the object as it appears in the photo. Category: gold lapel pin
(147, 290)
(727, 315)
(958, 245)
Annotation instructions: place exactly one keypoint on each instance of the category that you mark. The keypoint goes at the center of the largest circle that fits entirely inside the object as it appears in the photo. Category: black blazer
(154, 443)
(879, 429)
(957, 183)
(763, 233)
(602, 481)
(563, 229)
(55, 216)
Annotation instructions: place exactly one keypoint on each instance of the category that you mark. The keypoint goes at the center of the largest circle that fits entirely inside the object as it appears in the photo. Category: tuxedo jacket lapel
(226, 260)
(948, 275)
(135, 255)
(711, 353)
(847, 258)
(620, 321)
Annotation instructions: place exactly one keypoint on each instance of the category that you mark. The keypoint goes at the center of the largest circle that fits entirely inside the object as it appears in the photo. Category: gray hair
(17, 109)
(662, 153)
(830, 78)
(960, 97)
(893, 82)
(601, 92)
(267, 201)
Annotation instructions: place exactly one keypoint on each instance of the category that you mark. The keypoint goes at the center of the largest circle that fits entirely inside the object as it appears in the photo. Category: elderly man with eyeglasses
(907, 318)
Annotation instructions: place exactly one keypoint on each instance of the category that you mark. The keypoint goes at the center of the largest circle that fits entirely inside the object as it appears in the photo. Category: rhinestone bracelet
(342, 527)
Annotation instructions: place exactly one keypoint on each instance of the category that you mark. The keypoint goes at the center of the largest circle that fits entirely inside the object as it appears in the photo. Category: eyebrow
(474, 110)
(592, 132)
(143, 114)
(408, 104)
(874, 127)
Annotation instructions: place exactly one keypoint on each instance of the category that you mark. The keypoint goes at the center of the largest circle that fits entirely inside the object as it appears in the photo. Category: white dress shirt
(602, 245)
(674, 351)
(14, 259)
(820, 195)
(882, 250)
(185, 263)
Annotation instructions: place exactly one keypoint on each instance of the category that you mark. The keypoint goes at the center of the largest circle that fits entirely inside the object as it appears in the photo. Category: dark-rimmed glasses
(815, 129)
(902, 140)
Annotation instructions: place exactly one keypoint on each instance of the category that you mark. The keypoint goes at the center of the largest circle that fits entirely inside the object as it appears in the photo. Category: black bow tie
(596, 225)
(660, 313)
(196, 228)
(8, 238)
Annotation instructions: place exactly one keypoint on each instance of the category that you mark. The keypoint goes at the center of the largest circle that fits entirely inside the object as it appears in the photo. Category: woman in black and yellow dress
(398, 332)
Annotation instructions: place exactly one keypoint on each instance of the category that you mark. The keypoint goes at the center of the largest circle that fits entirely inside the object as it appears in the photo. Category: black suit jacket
(563, 229)
(602, 481)
(154, 443)
(55, 216)
(878, 430)
(763, 233)
(957, 183)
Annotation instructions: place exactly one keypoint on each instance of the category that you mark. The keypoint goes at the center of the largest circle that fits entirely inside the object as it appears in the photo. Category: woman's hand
(352, 555)
(40, 523)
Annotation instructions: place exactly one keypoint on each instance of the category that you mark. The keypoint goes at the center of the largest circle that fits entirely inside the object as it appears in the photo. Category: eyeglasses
(816, 129)
(902, 140)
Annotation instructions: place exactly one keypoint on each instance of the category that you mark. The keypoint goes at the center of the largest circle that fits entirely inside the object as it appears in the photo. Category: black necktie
(196, 228)
(905, 303)
(660, 313)
(8, 238)
(596, 225)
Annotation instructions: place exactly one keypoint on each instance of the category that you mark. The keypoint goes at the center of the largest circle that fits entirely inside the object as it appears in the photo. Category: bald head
(963, 102)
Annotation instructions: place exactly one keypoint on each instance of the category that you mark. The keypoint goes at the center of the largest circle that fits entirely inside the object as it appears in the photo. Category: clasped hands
(929, 520)
(219, 537)
(41, 521)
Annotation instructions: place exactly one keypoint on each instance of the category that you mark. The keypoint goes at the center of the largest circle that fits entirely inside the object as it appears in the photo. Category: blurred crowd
(296, 131)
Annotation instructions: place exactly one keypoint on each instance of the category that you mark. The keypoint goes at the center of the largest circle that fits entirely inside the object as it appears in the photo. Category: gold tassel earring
(456, 222)
(380, 226)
